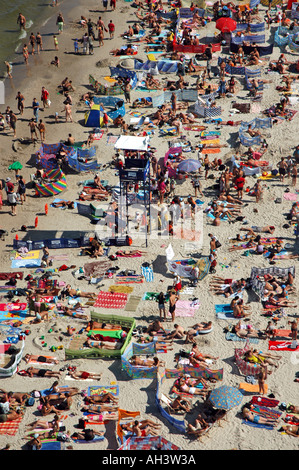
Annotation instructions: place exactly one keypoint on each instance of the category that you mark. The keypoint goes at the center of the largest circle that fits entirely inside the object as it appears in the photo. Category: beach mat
(102, 389)
(251, 388)
(282, 346)
(233, 337)
(110, 300)
(263, 401)
(10, 427)
(257, 425)
(121, 289)
(132, 303)
(25, 263)
(225, 316)
(223, 308)
(184, 308)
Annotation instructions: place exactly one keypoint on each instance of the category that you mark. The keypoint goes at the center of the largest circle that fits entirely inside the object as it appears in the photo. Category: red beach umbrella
(226, 25)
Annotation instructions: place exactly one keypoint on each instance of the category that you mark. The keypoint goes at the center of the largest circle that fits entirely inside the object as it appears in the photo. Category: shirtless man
(21, 21)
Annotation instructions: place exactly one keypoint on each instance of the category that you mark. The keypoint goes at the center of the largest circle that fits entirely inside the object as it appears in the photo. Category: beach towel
(52, 445)
(148, 273)
(10, 427)
(251, 388)
(257, 425)
(263, 401)
(282, 346)
(233, 337)
(185, 308)
(102, 389)
(132, 303)
(121, 289)
(82, 441)
(225, 316)
(8, 276)
(13, 307)
(111, 300)
(223, 308)
(25, 263)
(133, 279)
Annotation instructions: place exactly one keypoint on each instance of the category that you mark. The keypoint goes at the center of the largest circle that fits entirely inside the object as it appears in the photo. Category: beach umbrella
(189, 165)
(15, 166)
(225, 397)
(226, 25)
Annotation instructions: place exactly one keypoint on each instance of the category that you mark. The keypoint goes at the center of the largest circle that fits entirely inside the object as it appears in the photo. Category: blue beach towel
(148, 274)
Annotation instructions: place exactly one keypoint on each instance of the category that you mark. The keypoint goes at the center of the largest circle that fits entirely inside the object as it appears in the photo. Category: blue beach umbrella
(225, 397)
(189, 165)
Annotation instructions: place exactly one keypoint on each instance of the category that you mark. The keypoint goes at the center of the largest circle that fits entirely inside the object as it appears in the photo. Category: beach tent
(258, 280)
(94, 116)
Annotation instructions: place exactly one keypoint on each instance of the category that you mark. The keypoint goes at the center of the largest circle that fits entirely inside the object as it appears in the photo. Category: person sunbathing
(98, 409)
(255, 357)
(103, 344)
(197, 329)
(126, 50)
(181, 386)
(247, 331)
(32, 372)
(256, 418)
(71, 312)
(239, 309)
(255, 229)
(54, 424)
(272, 302)
(68, 204)
(78, 293)
(79, 375)
(151, 83)
(104, 399)
(144, 362)
(36, 358)
(291, 429)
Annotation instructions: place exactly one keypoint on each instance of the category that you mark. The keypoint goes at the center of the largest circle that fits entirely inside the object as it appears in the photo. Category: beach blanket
(185, 308)
(263, 401)
(13, 307)
(133, 279)
(25, 263)
(10, 427)
(282, 346)
(256, 425)
(8, 276)
(148, 273)
(223, 308)
(102, 389)
(111, 300)
(251, 388)
(121, 289)
(233, 337)
(133, 303)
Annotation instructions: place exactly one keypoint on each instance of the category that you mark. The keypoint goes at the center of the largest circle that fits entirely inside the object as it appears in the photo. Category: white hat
(8, 179)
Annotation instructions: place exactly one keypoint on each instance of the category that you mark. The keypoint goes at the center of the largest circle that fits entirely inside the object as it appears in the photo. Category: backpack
(30, 401)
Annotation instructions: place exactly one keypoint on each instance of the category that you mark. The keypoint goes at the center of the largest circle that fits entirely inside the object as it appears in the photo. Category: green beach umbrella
(15, 166)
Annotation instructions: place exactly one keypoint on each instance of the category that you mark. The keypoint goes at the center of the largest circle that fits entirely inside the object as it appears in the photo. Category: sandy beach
(139, 395)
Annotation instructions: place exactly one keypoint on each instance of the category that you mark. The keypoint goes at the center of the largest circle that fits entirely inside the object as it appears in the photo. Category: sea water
(36, 12)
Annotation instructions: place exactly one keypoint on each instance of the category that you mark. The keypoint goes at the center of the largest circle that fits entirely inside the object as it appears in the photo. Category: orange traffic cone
(46, 209)
(36, 222)
(17, 237)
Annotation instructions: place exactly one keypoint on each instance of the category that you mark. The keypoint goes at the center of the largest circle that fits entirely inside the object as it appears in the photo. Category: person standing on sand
(20, 98)
(173, 298)
(111, 28)
(8, 69)
(45, 97)
(35, 107)
(113, 4)
(32, 41)
(55, 42)
(68, 112)
(13, 123)
(42, 130)
(32, 126)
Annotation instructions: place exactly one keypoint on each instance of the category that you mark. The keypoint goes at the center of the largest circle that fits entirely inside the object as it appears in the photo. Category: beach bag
(30, 401)
(218, 244)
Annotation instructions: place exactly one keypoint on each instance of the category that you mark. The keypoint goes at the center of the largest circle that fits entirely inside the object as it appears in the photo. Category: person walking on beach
(32, 127)
(173, 298)
(22, 189)
(25, 53)
(68, 112)
(8, 69)
(113, 4)
(35, 107)
(60, 23)
(20, 98)
(21, 21)
(42, 130)
(39, 42)
(111, 28)
(13, 123)
(45, 97)
(100, 24)
(32, 41)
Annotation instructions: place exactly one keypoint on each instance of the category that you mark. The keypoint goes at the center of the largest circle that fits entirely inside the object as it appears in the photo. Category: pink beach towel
(184, 308)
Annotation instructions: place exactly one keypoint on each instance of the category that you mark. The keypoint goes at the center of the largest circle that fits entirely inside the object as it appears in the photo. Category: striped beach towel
(148, 273)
